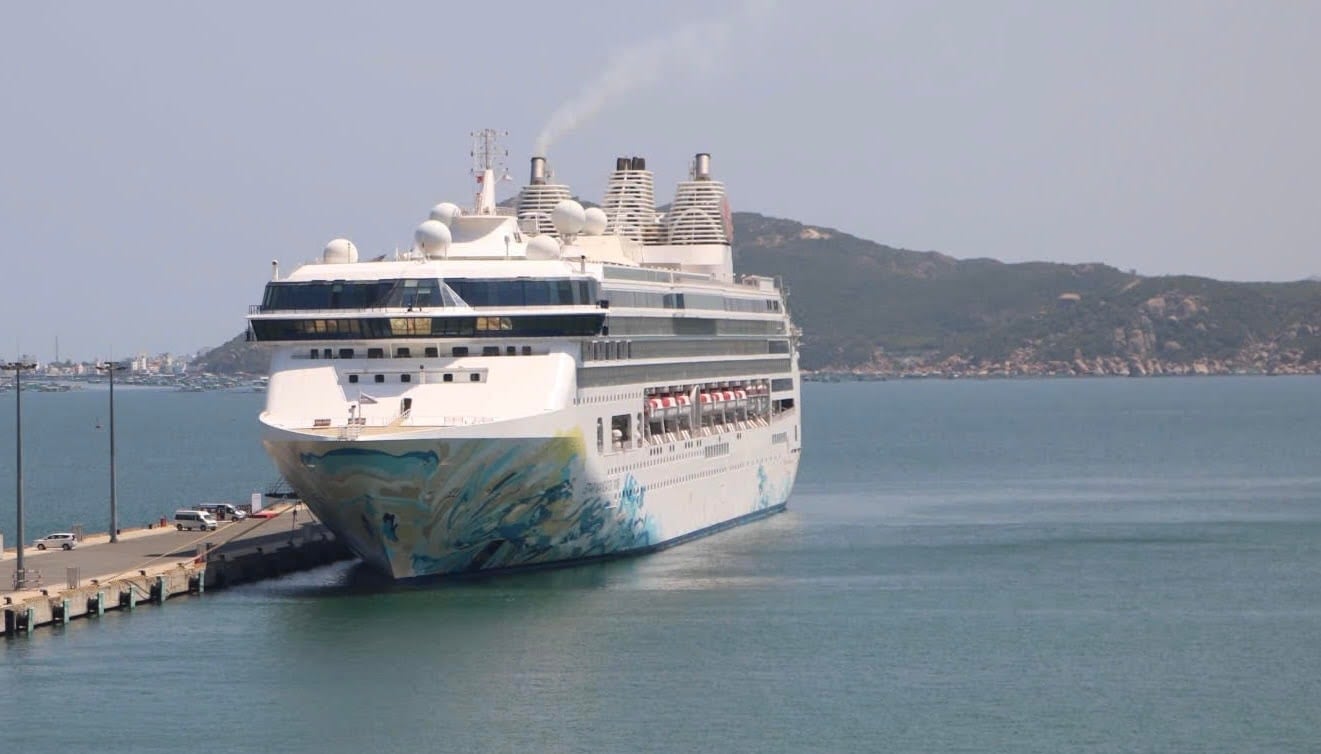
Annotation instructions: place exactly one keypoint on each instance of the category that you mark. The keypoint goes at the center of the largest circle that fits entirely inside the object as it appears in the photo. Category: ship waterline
(424, 507)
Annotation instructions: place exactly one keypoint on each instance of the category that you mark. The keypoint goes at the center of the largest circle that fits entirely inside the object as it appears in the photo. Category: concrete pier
(151, 566)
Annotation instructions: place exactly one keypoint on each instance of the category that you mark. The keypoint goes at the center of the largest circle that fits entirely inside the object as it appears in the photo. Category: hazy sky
(156, 157)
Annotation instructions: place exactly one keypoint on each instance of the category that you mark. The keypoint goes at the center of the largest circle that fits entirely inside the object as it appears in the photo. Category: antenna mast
(487, 157)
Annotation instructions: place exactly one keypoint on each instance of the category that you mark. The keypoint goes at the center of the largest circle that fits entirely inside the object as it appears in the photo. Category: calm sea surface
(1025, 566)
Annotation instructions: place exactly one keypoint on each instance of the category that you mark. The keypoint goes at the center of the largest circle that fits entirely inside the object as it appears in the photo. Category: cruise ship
(534, 385)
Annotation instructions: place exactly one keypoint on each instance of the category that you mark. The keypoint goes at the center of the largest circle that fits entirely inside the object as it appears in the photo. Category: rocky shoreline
(957, 366)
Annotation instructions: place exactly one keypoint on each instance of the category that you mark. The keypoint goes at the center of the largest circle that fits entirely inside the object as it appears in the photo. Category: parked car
(61, 539)
(263, 513)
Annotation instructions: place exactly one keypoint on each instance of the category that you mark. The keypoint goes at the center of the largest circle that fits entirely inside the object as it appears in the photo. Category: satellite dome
(340, 251)
(432, 238)
(595, 221)
(543, 247)
(568, 217)
(445, 212)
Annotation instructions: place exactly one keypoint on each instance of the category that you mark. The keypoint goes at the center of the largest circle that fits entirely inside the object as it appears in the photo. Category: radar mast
(487, 158)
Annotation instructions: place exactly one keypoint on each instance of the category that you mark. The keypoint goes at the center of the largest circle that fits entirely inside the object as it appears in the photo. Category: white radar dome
(568, 217)
(432, 238)
(445, 212)
(340, 251)
(543, 247)
(595, 221)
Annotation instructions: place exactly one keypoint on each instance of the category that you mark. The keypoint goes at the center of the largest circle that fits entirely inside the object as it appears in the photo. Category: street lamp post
(110, 368)
(20, 573)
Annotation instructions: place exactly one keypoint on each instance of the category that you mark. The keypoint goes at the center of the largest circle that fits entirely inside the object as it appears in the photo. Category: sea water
(1027, 566)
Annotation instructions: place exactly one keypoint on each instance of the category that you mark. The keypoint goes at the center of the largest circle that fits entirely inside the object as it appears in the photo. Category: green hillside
(862, 305)
(866, 307)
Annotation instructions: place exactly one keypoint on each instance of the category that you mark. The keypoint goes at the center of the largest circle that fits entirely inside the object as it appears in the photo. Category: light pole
(110, 368)
(20, 573)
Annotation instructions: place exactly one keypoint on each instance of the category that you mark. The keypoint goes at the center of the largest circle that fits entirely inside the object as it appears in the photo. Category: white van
(194, 520)
(223, 511)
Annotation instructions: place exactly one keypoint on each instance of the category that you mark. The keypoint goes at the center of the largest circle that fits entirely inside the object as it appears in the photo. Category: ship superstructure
(535, 386)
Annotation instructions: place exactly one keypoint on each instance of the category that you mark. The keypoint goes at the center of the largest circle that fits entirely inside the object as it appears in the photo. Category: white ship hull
(520, 391)
(427, 506)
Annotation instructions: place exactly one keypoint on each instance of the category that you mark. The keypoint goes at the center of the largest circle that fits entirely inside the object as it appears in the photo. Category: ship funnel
(702, 166)
(639, 163)
(621, 163)
(538, 171)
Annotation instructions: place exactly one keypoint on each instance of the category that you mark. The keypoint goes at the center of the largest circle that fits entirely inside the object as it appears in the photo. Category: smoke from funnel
(688, 49)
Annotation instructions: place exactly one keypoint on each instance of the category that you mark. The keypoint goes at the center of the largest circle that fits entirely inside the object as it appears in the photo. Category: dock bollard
(19, 619)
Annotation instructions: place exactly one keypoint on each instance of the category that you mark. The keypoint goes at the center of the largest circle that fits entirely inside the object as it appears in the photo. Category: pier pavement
(96, 558)
(158, 563)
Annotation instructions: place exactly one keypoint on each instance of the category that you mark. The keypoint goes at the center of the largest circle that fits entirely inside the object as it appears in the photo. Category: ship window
(475, 377)
(346, 353)
(620, 434)
(448, 378)
(459, 351)
(600, 437)
(325, 353)
(783, 383)
(376, 353)
(315, 353)
(380, 378)
(402, 352)
(432, 352)
(353, 379)
(491, 350)
(405, 378)
(527, 350)
(511, 351)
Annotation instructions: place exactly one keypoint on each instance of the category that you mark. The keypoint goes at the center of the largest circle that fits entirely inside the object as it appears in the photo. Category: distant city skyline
(157, 161)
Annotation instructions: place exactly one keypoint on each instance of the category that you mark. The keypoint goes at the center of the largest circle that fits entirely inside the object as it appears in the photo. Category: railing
(27, 579)
(353, 428)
